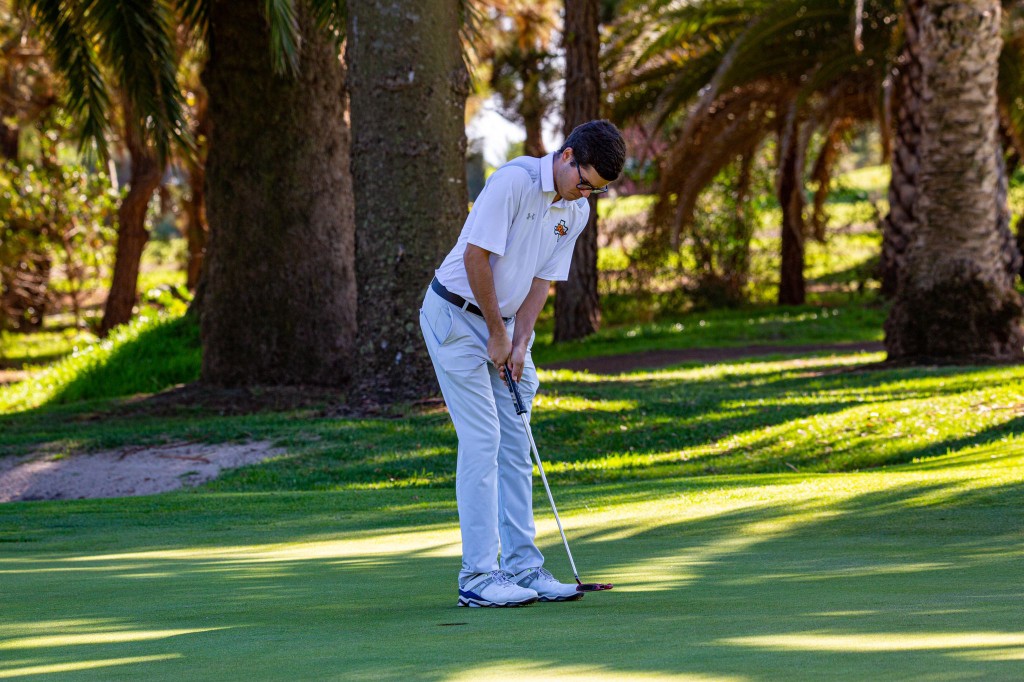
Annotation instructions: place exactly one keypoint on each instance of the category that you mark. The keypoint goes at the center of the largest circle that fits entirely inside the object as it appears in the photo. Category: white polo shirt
(527, 235)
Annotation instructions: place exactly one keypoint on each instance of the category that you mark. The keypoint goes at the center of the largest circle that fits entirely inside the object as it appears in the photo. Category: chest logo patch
(561, 229)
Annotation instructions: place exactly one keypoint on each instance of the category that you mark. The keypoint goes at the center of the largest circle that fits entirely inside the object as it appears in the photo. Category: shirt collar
(547, 178)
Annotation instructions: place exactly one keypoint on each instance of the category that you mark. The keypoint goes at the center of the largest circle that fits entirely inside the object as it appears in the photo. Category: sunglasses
(586, 186)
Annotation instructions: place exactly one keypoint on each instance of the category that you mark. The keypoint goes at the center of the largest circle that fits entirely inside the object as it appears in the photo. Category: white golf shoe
(494, 589)
(546, 586)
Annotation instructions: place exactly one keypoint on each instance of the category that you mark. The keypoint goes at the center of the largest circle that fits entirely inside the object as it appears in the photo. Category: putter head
(592, 587)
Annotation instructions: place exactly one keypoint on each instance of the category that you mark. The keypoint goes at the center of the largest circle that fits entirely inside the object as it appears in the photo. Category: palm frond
(715, 136)
(196, 15)
(74, 55)
(285, 39)
(137, 42)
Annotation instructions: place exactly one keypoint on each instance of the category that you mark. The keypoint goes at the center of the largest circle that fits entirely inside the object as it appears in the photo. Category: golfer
(477, 315)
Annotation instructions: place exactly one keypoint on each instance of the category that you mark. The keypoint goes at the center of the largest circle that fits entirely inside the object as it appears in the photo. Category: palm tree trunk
(132, 234)
(790, 188)
(409, 86)
(577, 307)
(279, 301)
(898, 226)
(955, 300)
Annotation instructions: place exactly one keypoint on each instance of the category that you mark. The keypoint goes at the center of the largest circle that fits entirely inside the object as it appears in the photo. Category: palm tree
(279, 306)
(810, 48)
(955, 297)
(138, 49)
(516, 44)
(147, 170)
(718, 76)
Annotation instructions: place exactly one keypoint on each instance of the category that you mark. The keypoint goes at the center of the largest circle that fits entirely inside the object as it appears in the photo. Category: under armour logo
(530, 216)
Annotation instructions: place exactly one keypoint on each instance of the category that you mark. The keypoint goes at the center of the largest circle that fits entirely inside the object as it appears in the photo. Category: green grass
(799, 518)
(147, 355)
(40, 348)
(760, 325)
(907, 574)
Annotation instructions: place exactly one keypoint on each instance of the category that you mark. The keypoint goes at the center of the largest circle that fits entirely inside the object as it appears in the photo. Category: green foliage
(147, 355)
(56, 213)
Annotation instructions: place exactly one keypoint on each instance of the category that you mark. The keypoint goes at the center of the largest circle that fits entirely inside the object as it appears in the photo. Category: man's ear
(567, 155)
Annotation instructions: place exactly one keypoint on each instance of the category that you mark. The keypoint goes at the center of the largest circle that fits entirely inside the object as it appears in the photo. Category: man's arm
(526, 318)
(481, 281)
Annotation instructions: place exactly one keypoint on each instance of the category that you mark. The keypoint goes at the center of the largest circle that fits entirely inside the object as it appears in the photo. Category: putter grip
(513, 388)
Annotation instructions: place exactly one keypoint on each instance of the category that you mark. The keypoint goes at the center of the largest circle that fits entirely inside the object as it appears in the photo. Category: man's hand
(499, 348)
(518, 361)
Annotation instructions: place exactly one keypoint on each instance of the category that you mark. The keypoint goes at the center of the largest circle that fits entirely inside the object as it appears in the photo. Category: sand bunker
(125, 471)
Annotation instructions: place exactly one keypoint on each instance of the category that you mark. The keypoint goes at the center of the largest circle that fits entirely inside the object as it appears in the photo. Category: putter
(513, 388)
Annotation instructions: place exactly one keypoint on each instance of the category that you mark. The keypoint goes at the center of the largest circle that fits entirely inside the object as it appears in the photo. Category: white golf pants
(494, 473)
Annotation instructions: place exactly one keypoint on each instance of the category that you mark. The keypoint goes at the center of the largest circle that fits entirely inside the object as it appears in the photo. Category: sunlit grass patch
(147, 355)
(806, 414)
(721, 328)
(802, 577)
(38, 348)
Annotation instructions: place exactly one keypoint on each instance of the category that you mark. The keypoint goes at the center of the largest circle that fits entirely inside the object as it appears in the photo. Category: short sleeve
(557, 267)
(495, 209)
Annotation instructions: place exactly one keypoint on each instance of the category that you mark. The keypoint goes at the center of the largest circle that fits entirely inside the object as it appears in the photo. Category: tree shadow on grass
(907, 581)
(758, 403)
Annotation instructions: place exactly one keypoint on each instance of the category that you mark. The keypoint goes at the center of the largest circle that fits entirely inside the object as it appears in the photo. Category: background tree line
(323, 145)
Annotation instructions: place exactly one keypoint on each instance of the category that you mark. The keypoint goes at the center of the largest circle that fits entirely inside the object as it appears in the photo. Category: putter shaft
(551, 499)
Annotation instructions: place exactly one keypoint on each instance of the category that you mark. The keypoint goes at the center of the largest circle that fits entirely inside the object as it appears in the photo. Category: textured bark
(279, 293)
(955, 300)
(898, 226)
(577, 307)
(132, 234)
(790, 188)
(408, 86)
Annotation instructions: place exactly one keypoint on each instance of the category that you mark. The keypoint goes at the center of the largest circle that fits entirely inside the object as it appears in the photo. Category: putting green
(907, 573)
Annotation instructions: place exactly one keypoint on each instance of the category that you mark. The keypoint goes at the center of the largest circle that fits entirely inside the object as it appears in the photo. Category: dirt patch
(617, 364)
(140, 470)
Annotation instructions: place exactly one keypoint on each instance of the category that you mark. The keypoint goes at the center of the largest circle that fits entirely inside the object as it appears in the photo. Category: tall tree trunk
(577, 307)
(532, 109)
(197, 230)
(790, 188)
(408, 85)
(279, 302)
(955, 300)
(898, 226)
(132, 234)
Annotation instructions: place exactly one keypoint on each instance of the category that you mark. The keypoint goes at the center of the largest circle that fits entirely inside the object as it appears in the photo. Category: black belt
(457, 300)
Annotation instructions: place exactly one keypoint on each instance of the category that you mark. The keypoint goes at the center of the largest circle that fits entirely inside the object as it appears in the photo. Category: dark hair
(598, 144)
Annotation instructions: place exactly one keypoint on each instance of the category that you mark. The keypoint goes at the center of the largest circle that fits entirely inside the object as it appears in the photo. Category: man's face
(577, 181)
(585, 187)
